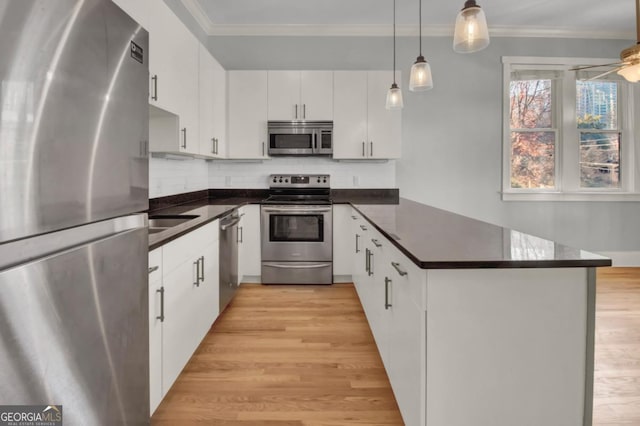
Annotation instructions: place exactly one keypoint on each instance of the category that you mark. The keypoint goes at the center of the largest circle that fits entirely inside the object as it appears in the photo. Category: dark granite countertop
(438, 239)
(432, 238)
(208, 210)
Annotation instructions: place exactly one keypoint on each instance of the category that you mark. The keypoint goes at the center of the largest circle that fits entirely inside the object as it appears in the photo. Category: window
(567, 135)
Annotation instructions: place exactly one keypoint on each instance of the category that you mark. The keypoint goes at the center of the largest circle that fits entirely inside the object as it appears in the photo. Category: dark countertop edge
(197, 224)
(486, 264)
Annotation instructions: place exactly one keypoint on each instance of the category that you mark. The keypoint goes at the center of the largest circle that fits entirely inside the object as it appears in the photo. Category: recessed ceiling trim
(212, 29)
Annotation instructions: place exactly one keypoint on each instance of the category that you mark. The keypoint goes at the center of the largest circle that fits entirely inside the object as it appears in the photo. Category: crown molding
(211, 29)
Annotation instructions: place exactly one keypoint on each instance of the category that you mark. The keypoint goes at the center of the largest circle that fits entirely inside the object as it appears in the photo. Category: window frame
(567, 146)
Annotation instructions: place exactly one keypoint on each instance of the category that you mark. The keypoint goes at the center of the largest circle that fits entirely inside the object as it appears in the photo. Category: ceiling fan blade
(586, 67)
(605, 73)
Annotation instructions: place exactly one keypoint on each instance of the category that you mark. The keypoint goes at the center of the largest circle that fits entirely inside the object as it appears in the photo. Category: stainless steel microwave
(300, 137)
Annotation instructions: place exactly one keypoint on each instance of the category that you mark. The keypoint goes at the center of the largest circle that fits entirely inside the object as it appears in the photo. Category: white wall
(224, 174)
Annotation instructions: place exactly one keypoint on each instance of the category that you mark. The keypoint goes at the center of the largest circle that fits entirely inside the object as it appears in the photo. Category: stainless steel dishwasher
(228, 258)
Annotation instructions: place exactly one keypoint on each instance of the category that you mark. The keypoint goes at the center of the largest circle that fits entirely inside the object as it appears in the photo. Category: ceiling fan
(629, 66)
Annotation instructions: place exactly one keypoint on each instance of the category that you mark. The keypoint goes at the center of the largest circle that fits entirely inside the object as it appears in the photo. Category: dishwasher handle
(233, 222)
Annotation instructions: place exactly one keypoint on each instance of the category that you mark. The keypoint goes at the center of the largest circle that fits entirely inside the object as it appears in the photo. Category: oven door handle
(296, 210)
(289, 266)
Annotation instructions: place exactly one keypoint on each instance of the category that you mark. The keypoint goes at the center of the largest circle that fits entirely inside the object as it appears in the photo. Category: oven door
(297, 233)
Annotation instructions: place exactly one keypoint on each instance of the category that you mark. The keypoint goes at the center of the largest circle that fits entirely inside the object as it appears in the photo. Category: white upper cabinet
(316, 95)
(284, 95)
(173, 70)
(300, 95)
(384, 127)
(213, 112)
(247, 114)
(350, 107)
(363, 128)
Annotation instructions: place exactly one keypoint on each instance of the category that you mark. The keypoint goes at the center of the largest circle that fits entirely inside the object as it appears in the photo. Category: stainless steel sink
(169, 221)
(156, 230)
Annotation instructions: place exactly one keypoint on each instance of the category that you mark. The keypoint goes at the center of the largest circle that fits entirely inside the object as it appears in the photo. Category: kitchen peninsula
(475, 324)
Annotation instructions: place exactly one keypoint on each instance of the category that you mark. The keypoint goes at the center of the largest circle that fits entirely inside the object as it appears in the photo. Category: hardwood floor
(285, 355)
(304, 355)
(617, 351)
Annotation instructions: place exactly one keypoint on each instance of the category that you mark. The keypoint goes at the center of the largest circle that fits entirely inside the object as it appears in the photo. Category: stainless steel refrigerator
(73, 179)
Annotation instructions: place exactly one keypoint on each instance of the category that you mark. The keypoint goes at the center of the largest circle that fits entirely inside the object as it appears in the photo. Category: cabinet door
(343, 250)
(316, 95)
(173, 68)
(137, 9)
(219, 81)
(179, 336)
(350, 112)
(284, 95)
(407, 345)
(358, 252)
(212, 99)
(384, 127)
(155, 329)
(379, 295)
(210, 289)
(249, 256)
(247, 114)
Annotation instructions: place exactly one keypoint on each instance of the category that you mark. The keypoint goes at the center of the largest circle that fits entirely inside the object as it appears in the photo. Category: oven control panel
(299, 181)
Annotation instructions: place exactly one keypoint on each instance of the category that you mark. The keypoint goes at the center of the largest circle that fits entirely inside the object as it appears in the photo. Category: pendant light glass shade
(394, 98)
(420, 79)
(471, 33)
(631, 73)
(394, 95)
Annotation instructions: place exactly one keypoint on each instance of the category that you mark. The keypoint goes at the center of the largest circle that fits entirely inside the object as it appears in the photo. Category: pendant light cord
(394, 41)
(420, 24)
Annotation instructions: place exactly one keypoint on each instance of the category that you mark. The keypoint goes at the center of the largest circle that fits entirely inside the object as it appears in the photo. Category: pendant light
(420, 79)
(394, 95)
(471, 33)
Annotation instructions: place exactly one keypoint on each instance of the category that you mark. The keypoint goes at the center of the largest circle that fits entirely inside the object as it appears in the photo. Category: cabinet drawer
(155, 266)
(188, 246)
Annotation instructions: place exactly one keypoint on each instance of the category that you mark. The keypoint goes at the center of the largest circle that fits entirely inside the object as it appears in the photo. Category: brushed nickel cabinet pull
(387, 281)
(396, 265)
(161, 316)
(155, 87)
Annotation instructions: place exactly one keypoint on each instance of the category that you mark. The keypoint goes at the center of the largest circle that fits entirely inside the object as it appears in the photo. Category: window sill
(570, 196)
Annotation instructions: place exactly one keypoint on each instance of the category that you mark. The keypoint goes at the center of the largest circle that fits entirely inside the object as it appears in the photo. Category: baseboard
(342, 279)
(254, 279)
(623, 258)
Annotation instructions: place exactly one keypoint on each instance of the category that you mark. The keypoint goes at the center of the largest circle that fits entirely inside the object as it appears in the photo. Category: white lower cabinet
(249, 244)
(392, 291)
(343, 250)
(183, 301)
(155, 328)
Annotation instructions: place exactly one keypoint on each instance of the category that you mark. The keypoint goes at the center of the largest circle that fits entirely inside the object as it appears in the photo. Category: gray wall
(452, 135)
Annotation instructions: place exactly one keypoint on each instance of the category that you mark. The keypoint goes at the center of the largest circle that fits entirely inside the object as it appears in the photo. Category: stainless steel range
(297, 230)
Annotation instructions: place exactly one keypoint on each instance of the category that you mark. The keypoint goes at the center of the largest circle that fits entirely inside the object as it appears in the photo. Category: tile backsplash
(225, 174)
(172, 176)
